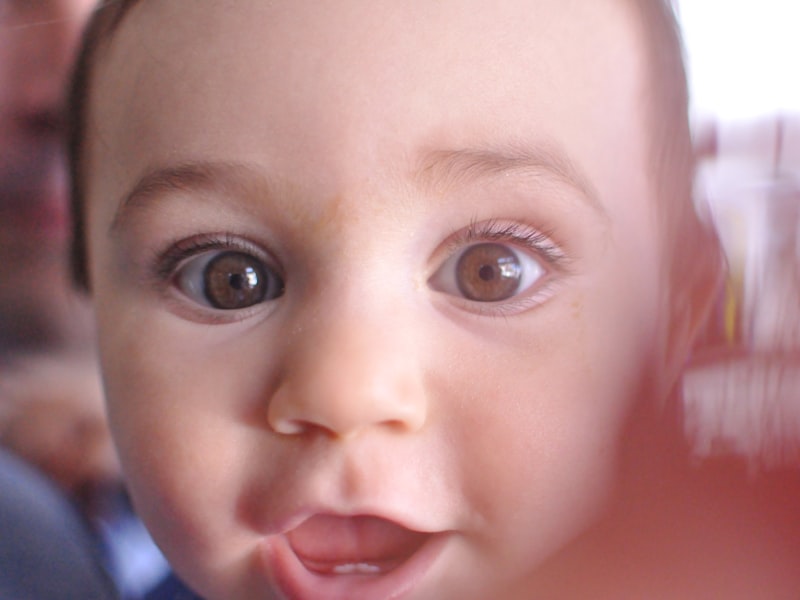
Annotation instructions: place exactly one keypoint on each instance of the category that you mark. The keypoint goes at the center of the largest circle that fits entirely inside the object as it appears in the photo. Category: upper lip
(402, 518)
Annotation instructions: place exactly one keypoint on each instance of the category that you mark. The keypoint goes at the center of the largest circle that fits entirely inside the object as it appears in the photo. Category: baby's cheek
(535, 435)
(188, 447)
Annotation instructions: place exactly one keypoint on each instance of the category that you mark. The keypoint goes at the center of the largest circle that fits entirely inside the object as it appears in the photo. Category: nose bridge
(347, 371)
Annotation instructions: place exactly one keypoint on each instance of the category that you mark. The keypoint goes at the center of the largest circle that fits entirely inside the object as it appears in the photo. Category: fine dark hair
(105, 20)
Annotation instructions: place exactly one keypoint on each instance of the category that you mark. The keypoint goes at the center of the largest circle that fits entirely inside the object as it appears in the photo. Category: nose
(348, 375)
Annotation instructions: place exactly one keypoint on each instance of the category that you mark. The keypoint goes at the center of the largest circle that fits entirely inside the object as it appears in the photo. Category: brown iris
(234, 280)
(488, 272)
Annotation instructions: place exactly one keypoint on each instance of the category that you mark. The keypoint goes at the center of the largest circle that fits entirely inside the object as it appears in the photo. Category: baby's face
(378, 285)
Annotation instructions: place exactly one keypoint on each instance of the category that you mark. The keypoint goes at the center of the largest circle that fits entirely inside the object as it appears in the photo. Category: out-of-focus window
(743, 56)
(742, 390)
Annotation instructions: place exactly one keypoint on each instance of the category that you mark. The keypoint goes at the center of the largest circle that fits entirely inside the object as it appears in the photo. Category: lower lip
(286, 571)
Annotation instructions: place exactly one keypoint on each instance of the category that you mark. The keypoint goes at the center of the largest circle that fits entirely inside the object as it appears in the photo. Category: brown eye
(488, 272)
(229, 280)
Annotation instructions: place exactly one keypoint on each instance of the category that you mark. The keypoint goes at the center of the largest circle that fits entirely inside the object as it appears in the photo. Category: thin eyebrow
(187, 177)
(462, 166)
(443, 167)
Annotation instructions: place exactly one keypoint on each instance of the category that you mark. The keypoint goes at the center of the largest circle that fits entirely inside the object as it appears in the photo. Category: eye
(228, 280)
(488, 272)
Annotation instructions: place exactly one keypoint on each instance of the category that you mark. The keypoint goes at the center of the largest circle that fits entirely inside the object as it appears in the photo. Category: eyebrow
(226, 177)
(442, 167)
(462, 166)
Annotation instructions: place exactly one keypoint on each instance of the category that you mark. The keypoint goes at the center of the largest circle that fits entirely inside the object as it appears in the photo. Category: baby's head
(379, 283)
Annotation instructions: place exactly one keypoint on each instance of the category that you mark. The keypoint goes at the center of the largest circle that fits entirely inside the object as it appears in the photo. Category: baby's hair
(672, 157)
(666, 99)
(104, 22)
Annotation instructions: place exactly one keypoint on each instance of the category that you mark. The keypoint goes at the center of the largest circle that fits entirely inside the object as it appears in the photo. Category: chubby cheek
(538, 425)
(182, 443)
(536, 458)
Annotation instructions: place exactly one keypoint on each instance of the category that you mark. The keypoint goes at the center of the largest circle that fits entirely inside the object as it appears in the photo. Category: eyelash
(528, 239)
(518, 234)
(168, 261)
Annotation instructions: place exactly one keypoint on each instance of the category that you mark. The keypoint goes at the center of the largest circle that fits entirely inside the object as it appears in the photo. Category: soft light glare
(744, 56)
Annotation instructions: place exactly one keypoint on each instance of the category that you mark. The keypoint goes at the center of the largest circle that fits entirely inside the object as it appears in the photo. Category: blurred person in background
(38, 308)
(52, 415)
(51, 410)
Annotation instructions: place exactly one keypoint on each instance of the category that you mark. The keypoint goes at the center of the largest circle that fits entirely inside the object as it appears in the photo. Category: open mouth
(331, 545)
(344, 557)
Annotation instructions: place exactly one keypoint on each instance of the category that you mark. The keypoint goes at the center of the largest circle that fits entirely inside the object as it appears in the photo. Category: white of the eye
(445, 280)
(191, 276)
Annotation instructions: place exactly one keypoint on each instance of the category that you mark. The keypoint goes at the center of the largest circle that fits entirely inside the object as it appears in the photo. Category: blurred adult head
(38, 39)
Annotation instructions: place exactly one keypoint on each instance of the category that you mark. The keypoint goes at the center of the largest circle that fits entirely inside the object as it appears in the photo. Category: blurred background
(741, 392)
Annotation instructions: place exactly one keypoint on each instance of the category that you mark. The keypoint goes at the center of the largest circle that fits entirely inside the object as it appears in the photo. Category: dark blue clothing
(172, 588)
(46, 549)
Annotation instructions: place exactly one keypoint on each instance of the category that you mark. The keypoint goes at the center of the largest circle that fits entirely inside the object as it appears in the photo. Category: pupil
(486, 272)
(236, 281)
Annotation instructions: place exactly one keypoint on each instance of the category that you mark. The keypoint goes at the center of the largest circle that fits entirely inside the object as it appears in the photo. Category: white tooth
(350, 568)
(367, 568)
(344, 569)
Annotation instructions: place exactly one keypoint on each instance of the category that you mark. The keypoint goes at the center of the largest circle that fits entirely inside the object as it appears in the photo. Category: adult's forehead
(382, 51)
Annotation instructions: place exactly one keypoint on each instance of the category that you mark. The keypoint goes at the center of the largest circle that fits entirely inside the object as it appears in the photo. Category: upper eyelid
(182, 250)
(494, 230)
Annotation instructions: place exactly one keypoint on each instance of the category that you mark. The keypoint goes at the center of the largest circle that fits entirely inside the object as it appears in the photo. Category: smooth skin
(357, 150)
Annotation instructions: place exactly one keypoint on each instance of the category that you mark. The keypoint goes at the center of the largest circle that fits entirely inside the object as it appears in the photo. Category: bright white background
(743, 56)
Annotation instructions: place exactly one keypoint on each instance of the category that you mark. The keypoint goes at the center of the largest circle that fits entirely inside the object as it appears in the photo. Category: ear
(697, 285)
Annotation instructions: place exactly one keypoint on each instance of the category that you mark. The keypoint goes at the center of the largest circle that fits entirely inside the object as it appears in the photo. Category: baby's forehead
(386, 52)
(498, 29)
(358, 87)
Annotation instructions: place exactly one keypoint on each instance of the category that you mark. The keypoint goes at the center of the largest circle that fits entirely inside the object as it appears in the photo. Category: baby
(381, 283)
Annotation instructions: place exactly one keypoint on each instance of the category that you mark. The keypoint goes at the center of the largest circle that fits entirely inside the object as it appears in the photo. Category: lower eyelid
(206, 315)
(507, 308)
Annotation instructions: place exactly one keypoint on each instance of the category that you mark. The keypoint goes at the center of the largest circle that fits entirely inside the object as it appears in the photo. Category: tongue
(360, 545)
